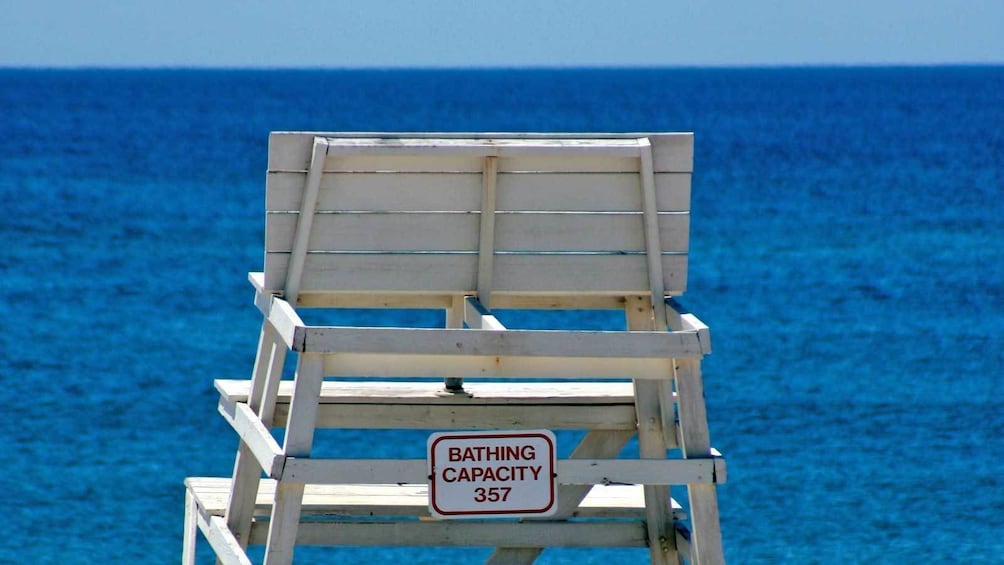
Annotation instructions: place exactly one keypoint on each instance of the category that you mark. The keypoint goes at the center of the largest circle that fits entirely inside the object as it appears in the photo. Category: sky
(497, 33)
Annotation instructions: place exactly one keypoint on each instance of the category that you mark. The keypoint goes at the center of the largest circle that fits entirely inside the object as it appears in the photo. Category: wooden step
(423, 405)
(391, 500)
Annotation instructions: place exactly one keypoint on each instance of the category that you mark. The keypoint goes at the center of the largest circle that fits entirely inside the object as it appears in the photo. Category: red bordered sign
(497, 474)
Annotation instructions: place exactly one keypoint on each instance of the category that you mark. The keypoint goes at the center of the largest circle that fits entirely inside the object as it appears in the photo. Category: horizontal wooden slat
(570, 471)
(407, 299)
(627, 346)
(255, 435)
(609, 274)
(672, 152)
(465, 533)
(439, 231)
(603, 501)
(422, 405)
(379, 191)
(426, 393)
(404, 366)
(604, 191)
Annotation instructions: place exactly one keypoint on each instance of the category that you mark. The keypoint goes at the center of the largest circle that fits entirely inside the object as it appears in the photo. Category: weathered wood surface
(210, 494)
(610, 273)
(674, 152)
(465, 223)
(461, 192)
(414, 204)
(411, 405)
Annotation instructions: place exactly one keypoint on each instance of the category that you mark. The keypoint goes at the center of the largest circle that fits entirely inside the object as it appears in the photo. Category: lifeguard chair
(471, 224)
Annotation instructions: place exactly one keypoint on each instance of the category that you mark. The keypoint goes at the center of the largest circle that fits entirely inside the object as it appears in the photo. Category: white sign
(495, 474)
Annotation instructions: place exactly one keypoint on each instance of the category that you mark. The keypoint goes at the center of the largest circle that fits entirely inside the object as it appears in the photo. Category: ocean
(847, 247)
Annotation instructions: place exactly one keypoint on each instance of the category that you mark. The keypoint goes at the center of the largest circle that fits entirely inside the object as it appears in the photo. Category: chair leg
(298, 443)
(247, 472)
(652, 445)
(706, 533)
(191, 533)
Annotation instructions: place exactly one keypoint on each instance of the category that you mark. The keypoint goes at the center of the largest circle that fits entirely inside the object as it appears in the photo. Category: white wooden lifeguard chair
(471, 224)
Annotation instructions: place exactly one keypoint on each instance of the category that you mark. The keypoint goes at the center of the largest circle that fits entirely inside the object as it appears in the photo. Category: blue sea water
(847, 252)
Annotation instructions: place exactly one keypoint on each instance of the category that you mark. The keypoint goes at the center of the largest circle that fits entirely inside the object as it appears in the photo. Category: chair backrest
(493, 214)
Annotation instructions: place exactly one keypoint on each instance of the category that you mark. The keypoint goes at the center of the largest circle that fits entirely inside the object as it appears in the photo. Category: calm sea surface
(847, 252)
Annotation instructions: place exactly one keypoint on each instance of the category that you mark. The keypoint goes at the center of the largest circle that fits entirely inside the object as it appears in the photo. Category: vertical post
(651, 445)
(706, 533)
(455, 319)
(191, 529)
(247, 471)
(486, 241)
(298, 442)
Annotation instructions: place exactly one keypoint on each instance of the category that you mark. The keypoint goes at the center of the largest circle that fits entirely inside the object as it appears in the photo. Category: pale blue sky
(385, 33)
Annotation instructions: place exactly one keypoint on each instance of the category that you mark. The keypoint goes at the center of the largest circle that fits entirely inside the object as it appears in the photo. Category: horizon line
(706, 66)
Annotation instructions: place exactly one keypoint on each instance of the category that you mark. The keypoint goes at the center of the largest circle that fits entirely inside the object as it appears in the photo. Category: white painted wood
(255, 436)
(191, 531)
(419, 365)
(407, 405)
(651, 445)
(473, 417)
(570, 471)
(706, 535)
(472, 534)
(523, 232)
(454, 320)
(682, 320)
(378, 191)
(570, 497)
(673, 152)
(224, 543)
(308, 204)
(456, 273)
(653, 245)
(547, 254)
(320, 500)
(486, 240)
(477, 317)
(298, 442)
(247, 468)
(286, 323)
(599, 190)
(630, 347)
(595, 394)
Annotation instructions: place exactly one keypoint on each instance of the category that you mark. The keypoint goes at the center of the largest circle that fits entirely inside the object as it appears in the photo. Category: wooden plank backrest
(402, 213)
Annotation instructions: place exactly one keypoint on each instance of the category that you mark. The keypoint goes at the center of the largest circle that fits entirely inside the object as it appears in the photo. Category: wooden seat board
(481, 393)
(612, 501)
(410, 405)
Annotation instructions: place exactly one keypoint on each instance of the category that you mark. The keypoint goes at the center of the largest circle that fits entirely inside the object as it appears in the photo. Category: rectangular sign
(496, 474)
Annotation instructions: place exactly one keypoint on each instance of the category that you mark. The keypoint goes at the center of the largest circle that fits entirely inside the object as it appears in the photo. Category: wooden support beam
(478, 317)
(418, 365)
(461, 533)
(298, 442)
(522, 343)
(486, 241)
(706, 533)
(255, 436)
(681, 319)
(652, 444)
(223, 542)
(294, 273)
(570, 471)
